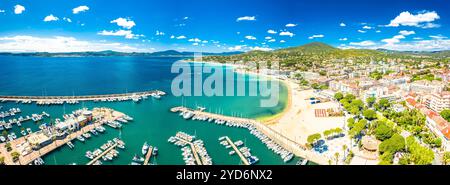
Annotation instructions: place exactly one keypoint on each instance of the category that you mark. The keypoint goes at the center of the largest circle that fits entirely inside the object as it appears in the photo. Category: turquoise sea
(153, 122)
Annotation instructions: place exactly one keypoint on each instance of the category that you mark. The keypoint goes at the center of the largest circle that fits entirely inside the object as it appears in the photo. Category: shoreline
(269, 119)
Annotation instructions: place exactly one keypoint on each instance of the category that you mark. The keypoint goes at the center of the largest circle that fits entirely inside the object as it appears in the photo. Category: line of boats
(272, 145)
(182, 140)
(6, 125)
(106, 147)
(10, 112)
(139, 160)
(87, 135)
(244, 150)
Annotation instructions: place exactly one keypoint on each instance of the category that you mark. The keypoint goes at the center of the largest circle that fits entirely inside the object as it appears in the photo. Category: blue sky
(221, 25)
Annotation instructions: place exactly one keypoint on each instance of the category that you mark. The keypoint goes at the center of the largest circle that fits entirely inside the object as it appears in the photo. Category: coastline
(269, 119)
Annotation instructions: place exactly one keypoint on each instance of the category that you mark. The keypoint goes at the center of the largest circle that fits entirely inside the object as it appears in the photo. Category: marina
(194, 151)
(59, 100)
(241, 156)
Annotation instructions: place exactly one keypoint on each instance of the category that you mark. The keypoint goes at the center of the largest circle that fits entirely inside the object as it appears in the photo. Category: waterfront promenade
(292, 146)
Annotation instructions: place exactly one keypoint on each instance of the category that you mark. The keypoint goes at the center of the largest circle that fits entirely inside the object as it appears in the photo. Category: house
(38, 140)
(437, 101)
(425, 86)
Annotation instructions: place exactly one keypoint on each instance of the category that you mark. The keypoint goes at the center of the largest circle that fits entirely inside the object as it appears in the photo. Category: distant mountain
(313, 47)
(168, 53)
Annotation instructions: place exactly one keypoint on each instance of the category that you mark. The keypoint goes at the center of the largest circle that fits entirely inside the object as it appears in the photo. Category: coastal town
(362, 110)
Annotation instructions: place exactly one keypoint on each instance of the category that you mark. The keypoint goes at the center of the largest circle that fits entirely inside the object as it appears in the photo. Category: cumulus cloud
(439, 37)
(194, 40)
(316, 36)
(423, 19)
(24, 43)
(257, 48)
(267, 38)
(420, 45)
(124, 22)
(362, 31)
(159, 33)
(2, 11)
(282, 41)
(80, 9)
(50, 17)
(363, 43)
(19, 9)
(249, 37)
(271, 40)
(406, 33)
(342, 24)
(343, 39)
(367, 27)
(271, 32)
(128, 34)
(181, 37)
(236, 48)
(291, 25)
(246, 18)
(286, 33)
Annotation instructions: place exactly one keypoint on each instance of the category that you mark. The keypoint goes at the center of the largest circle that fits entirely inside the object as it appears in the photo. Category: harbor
(59, 100)
(285, 147)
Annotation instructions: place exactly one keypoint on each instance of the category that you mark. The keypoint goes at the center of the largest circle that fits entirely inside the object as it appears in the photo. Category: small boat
(135, 163)
(221, 138)
(136, 158)
(19, 124)
(38, 161)
(288, 157)
(70, 145)
(2, 139)
(93, 132)
(231, 152)
(23, 132)
(304, 162)
(86, 135)
(252, 160)
(120, 146)
(29, 130)
(89, 155)
(155, 151)
(14, 135)
(145, 148)
(80, 138)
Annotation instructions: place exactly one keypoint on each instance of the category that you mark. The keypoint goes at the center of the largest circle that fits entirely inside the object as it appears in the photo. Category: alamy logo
(200, 78)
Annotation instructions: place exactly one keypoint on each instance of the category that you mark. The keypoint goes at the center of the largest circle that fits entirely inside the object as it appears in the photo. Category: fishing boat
(155, 151)
(80, 138)
(145, 148)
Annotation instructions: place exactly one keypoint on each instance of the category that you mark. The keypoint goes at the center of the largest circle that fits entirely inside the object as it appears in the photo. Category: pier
(243, 159)
(148, 156)
(102, 154)
(72, 99)
(194, 151)
(289, 144)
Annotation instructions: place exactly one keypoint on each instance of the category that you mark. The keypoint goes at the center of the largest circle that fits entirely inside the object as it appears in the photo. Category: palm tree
(344, 147)
(336, 155)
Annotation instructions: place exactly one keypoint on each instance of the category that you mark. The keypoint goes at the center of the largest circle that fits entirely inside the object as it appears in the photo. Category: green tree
(2, 160)
(15, 156)
(357, 128)
(420, 155)
(446, 158)
(383, 132)
(370, 101)
(369, 114)
(313, 138)
(338, 96)
(446, 114)
(392, 145)
(350, 122)
(383, 104)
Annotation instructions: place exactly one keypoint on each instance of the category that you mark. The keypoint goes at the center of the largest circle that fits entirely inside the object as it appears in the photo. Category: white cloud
(406, 33)
(194, 40)
(172, 36)
(417, 20)
(185, 18)
(50, 17)
(367, 27)
(67, 19)
(124, 22)
(271, 40)
(195, 44)
(267, 38)
(257, 48)
(342, 24)
(24, 43)
(439, 37)
(249, 37)
(159, 33)
(343, 39)
(378, 31)
(282, 41)
(2, 11)
(291, 25)
(125, 33)
(316, 36)
(417, 38)
(286, 33)
(430, 25)
(271, 32)
(181, 37)
(80, 9)
(246, 18)
(363, 43)
(362, 31)
(420, 45)
(19, 9)
(236, 48)
(391, 41)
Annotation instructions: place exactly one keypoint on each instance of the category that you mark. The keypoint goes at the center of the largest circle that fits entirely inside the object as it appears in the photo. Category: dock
(69, 99)
(243, 159)
(102, 154)
(298, 149)
(194, 151)
(148, 156)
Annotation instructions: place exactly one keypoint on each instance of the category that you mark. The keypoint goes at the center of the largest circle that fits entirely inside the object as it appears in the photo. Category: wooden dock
(102, 154)
(243, 158)
(148, 156)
